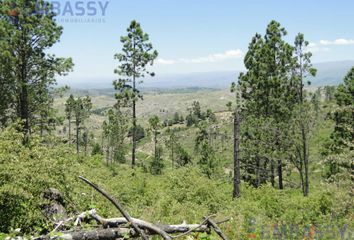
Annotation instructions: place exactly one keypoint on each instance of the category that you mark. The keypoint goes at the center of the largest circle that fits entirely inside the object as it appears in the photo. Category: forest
(273, 159)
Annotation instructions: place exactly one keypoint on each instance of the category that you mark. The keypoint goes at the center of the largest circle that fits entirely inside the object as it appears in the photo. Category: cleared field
(161, 103)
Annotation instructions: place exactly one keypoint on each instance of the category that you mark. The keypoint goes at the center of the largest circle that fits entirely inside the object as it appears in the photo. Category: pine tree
(329, 92)
(266, 88)
(156, 164)
(237, 115)
(207, 156)
(341, 141)
(154, 123)
(171, 143)
(115, 131)
(82, 110)
(176, 118)
(137, 54)
(69, 111)
(26, 37)
(304, 121)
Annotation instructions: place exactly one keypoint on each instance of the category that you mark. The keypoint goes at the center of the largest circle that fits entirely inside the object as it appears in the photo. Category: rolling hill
(328, 73)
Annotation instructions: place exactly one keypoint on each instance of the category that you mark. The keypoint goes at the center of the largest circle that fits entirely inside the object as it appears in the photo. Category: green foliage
(115, 130)
(96, 149)
(27, 69)
(271, 99)
(275, 107)
(264, 85)
(25, 173)
(196, 115)
(154, 123)
(81, 109)
(177, 118)
(329, 92)
(157, 165)
(137, 54)
(268, 93)
(208, 161)
(140, 133)
(178, 194)
(340, 147)
(182, 156)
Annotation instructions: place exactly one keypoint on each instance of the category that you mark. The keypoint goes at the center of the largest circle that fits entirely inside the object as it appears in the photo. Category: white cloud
(323, 45)
(230, 54)
(339, 41)
(315, 49)
(165, 62)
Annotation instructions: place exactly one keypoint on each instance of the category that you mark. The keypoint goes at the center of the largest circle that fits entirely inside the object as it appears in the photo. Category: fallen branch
(127, 227)
(151, 228)
(115, 228)
(126, 214)
(97, 234)
(216, 228)
(191, 230)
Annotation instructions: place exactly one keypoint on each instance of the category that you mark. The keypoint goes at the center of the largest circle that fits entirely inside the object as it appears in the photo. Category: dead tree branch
(216, 228)
(123, 212)
(126, 227)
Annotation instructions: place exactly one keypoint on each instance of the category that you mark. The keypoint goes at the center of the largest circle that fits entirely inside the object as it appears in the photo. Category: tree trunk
(23, 98)
(279, 162)
(77, 138)
(107, 154)
(155, 144)
(258, 172)
(85, 147)
(134, 126)
(304, 139)
(280, 174)
(172, 155)
(272, 174)
(42, 127)
(24, 111)
(69, 130)
(302, 180)
(237, 172)
(306, 161)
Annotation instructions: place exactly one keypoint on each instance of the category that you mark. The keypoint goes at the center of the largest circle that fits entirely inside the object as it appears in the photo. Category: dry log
(97, 234)
(119, 228)
(151, 228)
(127, 227)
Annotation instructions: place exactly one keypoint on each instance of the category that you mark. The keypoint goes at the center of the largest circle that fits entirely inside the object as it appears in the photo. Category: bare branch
(118, 206)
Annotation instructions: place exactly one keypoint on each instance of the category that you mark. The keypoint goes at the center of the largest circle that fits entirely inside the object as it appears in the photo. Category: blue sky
(203, 35)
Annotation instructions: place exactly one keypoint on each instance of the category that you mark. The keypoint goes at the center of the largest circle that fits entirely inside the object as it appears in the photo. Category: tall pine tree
(268, 96)
(29, 70)
(137, 54)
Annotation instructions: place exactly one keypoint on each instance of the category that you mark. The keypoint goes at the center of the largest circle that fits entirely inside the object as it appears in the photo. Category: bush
(176, 195)
(25, 173)
(96, 149)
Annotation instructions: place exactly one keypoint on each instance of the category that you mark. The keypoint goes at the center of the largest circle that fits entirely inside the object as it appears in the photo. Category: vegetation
(275, 156)
(137, 54)
(27, 70)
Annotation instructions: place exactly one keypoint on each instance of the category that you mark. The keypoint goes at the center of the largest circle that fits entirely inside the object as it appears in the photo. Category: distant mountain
(188, 80)
(331, 73)
(328, 73)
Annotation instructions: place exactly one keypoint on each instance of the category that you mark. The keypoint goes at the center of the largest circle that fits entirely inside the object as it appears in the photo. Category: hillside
(116, 129)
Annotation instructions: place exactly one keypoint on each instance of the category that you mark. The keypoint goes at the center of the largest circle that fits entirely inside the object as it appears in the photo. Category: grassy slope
(186, 195)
